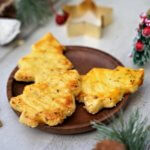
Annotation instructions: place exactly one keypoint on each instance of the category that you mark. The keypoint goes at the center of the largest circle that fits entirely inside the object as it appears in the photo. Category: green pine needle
(139, 58)
(33, 11)
(133, 133)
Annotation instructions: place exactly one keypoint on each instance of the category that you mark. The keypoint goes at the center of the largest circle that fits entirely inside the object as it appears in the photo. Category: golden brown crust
(46, 54)
(52, 97)
(30, 65)
(48, 43)
(40, 103)
(69, 79)
(104, 88)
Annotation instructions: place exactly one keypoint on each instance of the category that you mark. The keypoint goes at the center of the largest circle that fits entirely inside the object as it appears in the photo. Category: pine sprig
(33, 11)
(133, 133)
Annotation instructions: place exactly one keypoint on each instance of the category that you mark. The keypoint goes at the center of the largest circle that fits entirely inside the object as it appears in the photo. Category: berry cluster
(141, 51)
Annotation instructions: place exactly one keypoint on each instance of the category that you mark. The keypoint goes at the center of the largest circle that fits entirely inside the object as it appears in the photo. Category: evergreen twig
(33, 11)
(133, 133)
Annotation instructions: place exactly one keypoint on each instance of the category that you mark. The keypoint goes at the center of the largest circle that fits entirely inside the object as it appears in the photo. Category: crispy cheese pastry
(33, 63)
(46, 54)
(69, 79)
(41, 103)
(48, 43)
(104, 88)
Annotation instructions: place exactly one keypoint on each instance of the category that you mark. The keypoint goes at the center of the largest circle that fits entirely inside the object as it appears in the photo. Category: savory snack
(33, 63)
(104, 88)
(48, 43)
(42, 103)
(45, 55)
(51, 98)
(69, 79)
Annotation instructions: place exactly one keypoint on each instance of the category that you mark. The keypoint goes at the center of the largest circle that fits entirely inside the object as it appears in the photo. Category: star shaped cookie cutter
(103, 14)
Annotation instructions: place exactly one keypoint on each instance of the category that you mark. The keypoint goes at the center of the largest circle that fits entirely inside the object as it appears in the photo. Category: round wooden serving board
(83, 59)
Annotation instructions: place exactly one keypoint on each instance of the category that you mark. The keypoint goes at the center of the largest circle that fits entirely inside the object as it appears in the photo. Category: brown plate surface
(83, 59)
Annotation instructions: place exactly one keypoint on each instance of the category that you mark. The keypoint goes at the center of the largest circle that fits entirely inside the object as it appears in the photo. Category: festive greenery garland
(133, 133)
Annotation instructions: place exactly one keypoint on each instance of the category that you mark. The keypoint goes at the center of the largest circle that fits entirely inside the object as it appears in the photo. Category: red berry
(61, 18)
(146, 32)
(139, 46)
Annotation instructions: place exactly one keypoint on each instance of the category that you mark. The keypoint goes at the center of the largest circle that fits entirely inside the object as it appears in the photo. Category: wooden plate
(83, 59)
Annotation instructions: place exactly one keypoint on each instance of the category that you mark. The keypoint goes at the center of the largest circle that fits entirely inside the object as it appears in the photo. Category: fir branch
(133, 133)
(139, 58)
(33, 11)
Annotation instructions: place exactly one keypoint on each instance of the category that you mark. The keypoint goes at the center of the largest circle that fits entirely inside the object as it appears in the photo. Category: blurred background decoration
(141, 50)
(29, 13)
(7, 9)
(87, 18)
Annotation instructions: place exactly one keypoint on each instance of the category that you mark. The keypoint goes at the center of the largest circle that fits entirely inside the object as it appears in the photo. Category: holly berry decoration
(61, 18)
(139, 46)
(141, 49)
(146, 32)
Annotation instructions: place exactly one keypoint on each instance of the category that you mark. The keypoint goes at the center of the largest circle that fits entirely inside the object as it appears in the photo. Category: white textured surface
(117, 40)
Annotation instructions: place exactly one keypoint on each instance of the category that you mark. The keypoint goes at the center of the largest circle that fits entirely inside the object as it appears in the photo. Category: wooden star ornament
(87, 19)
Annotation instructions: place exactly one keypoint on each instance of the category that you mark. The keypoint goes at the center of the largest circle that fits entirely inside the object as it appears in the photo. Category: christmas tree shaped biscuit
(46, 54)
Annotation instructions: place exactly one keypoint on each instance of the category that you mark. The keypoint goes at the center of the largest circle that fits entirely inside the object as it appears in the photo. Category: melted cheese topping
(48, 43)
(41, 103)
(46, 54)
(69, 79)
(33, 63)
(104, 88)
(52, 97)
